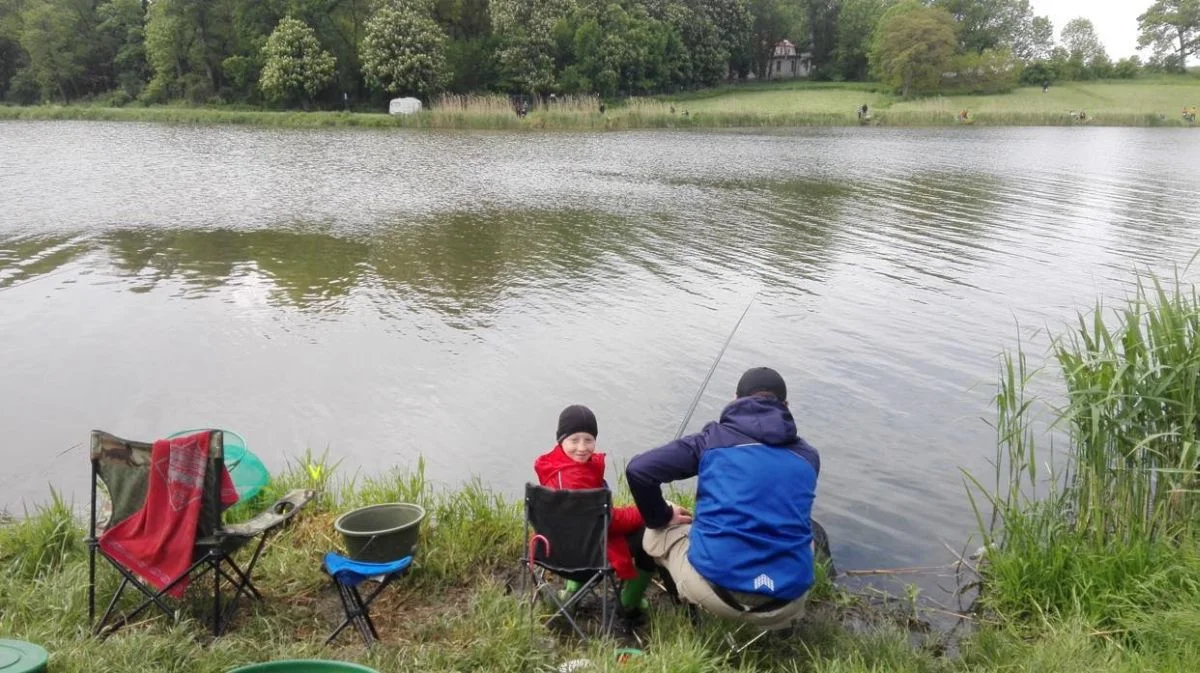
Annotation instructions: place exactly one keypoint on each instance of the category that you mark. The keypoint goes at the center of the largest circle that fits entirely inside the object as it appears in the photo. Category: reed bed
(1103, 524)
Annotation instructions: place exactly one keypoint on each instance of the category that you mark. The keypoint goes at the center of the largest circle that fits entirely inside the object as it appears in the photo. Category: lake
(387, 295)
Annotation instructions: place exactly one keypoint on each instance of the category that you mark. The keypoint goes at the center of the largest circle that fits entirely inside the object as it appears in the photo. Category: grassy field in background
(1132, 103)
(1148, 102)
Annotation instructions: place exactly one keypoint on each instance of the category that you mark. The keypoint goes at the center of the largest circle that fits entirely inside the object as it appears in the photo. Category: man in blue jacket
(748, 551)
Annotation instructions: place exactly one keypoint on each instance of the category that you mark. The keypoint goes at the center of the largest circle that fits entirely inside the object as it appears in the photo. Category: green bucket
(381, 533)
(304, 666)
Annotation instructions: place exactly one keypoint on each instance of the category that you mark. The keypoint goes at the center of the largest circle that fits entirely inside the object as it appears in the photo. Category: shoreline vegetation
(1138, 103)
(1090, 567)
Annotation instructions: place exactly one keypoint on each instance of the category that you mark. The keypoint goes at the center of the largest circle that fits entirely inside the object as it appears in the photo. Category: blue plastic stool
(347, 575)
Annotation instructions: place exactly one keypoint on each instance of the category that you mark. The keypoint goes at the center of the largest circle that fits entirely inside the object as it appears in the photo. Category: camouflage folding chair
(123, 468)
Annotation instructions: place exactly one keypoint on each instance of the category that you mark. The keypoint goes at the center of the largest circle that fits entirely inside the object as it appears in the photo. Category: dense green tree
(217, 50)
(1127, 68)
(993, 71)
(855, 29)
(913, 47)
(525, 56)
(621, 49)
(1034, 39)
(1172, 29)
(1079, 37)
(1086, 56)
(12, 56)
(294, 64)
(186, 42)
(122, 27)
(48, 37)
(404, 51)
(996, 24)
(463, 19)
(822, 19)
(706, 58)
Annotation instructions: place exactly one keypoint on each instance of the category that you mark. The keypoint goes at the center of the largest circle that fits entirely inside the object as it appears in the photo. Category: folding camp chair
(123, 466)
(569, 539)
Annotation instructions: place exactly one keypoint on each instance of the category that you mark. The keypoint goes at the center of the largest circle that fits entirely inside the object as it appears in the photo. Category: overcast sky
(1115, 21)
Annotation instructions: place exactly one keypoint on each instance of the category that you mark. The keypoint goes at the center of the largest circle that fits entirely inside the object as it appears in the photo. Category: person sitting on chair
(573, 463)
(748, 553)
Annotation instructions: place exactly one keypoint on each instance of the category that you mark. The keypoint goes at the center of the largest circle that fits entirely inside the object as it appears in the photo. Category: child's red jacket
(557, 470)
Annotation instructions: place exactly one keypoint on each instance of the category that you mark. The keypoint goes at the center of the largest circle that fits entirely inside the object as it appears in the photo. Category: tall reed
(1108, 526)
(1133, 409)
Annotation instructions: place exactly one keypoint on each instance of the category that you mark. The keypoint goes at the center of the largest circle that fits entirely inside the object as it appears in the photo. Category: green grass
(1116, 103)
(455, 612)
(1103, 530)
(1151, 102)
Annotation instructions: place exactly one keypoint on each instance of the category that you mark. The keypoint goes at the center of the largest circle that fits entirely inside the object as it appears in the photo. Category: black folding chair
(566, 534)
(123, 466)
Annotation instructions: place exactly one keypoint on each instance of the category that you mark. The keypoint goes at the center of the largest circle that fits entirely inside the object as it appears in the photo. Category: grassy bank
(1093, 561)
(455, 612)
(771, 104)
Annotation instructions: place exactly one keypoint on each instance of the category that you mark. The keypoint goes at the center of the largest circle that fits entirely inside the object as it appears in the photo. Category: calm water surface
(390, 295)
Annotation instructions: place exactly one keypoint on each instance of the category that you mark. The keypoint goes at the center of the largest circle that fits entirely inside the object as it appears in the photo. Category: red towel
(158, 541)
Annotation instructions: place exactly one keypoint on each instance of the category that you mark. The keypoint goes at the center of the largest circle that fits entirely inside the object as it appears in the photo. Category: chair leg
(216, 566)
(612, 593)
(91, 580)
(564, 607)
(242, 584)
(351, 599)
(365, 614)
(152, 597)
(240, 587)
(112, 604)
(358, 611)
(257, 552)
(346, 608)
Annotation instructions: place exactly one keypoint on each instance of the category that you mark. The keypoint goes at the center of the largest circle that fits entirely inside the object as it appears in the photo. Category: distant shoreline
(615, 120)
(1129, 103)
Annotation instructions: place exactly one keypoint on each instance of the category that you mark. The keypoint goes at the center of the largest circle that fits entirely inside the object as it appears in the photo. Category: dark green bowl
(304, 666)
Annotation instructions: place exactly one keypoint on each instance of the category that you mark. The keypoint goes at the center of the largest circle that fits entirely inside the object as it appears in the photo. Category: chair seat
(353, 573)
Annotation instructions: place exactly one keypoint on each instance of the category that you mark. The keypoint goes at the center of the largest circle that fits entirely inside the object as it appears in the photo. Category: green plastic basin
(304, 666)
(17, 656)
(381, 533)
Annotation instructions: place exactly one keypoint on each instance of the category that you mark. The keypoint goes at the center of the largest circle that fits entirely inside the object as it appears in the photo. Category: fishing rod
(696, 400)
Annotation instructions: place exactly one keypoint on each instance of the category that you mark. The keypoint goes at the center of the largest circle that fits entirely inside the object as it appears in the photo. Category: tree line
(333, 52)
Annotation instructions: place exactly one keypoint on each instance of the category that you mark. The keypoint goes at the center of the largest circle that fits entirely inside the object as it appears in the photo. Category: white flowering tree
(294, 66)
(404, 51)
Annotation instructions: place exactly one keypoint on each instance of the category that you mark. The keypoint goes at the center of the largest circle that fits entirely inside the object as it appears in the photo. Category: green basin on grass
(304, 666)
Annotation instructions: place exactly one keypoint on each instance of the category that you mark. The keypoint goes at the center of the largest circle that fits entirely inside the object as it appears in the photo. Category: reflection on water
(398, 294)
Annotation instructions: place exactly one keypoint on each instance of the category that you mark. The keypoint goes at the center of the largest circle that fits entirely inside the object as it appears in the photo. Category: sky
(1115, 21)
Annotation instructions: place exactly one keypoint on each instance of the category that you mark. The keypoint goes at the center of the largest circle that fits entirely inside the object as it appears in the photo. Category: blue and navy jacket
(756, 483)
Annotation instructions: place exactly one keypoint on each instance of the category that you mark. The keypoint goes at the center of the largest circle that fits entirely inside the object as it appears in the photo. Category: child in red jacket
(574, 464)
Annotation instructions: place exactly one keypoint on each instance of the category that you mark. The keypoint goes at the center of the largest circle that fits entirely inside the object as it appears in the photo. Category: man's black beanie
(762, 380)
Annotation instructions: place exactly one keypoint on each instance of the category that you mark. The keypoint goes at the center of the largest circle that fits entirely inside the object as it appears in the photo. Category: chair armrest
(274, 516)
